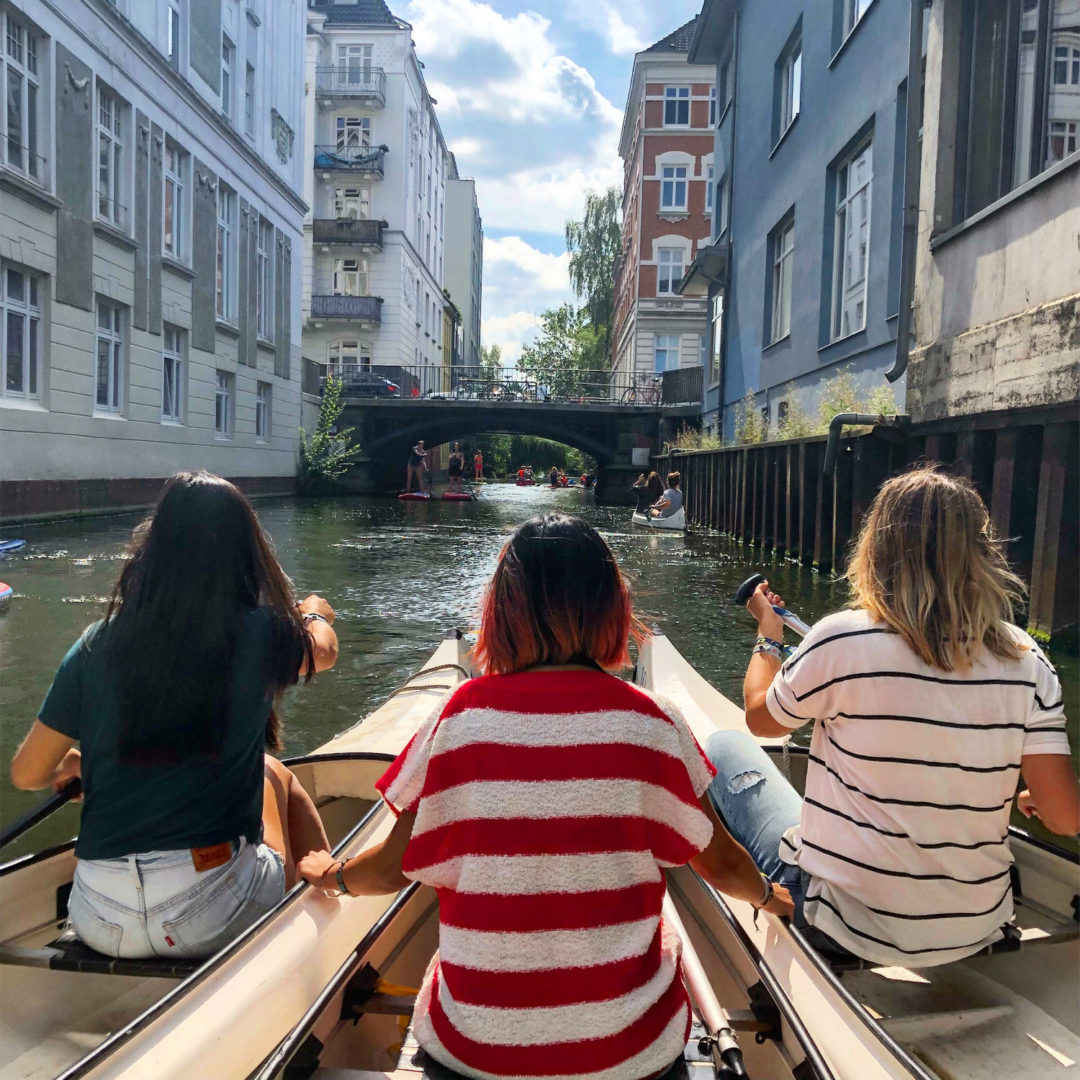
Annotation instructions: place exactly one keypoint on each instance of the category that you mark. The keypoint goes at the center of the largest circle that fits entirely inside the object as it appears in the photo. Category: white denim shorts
(158, 904)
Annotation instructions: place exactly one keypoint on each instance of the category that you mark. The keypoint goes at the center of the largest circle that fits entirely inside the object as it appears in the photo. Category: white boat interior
(676, 521)
(323, 988)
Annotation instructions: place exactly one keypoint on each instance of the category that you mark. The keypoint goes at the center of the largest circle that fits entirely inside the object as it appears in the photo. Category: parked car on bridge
(368, 384)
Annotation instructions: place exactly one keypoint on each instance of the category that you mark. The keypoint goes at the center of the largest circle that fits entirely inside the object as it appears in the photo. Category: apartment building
(465, 259)
(668, 183)
(151, 183)
(802, 274)
(376, 182)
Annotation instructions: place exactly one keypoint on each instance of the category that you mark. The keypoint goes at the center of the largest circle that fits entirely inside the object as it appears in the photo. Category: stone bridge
(621, 437)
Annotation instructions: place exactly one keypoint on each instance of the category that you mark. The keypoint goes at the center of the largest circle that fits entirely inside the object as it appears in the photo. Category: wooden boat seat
(67, 953)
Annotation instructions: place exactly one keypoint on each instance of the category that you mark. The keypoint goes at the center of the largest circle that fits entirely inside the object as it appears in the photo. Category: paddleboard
(415, 496)
(458, 496)
(11, 545)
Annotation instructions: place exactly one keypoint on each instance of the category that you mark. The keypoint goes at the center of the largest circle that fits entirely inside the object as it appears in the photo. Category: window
(264, 279)
(352, 203)
(709, 189)
(723, 204)
(851, 243)
(226, 258)
(354, 64)
(228, 54)
(174, 224)
(172, 375)
(108, 396)
(353, 132)
(223, 403)
(1019, 98)
(262, 411)
(20, 120)
(717, 338)
(669, 270)
(348, 357)
(781, 414)
(782, 251)
(673, 187)
(788, 86)
(666, 352)
(725, 81)
(249, 100)
(854, 10)
(110, 172)
(712, 106)
(350, 277)
(20, 332)
(172, 37)
(676, 106)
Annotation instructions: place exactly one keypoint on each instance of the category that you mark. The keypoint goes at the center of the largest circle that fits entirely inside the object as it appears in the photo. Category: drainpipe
(832, 447)
(912, 167)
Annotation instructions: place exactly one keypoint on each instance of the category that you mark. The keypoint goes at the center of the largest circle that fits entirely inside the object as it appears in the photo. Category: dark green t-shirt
(130, 809)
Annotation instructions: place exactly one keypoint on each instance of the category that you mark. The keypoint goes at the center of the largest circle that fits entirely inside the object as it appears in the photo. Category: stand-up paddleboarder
(418, 464)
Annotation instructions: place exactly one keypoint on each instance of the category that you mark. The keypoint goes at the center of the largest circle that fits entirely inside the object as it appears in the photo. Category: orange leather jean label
(207, 858)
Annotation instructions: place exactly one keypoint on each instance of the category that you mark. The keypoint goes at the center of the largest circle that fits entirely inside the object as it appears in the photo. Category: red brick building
(668, 194)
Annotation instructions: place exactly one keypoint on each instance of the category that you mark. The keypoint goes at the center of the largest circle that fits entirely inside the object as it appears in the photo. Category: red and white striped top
(546, 805)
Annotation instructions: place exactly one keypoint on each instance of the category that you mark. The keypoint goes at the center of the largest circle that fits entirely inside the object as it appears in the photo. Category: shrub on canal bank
(327, 453)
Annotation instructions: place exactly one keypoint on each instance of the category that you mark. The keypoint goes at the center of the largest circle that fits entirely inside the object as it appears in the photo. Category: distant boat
(11, 545)
(6, 593)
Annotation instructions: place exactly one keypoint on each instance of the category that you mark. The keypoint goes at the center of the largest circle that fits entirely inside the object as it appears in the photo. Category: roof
(678, 41)
(358, 12)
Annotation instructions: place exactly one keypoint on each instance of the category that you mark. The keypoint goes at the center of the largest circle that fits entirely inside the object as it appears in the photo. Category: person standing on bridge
(418, 465)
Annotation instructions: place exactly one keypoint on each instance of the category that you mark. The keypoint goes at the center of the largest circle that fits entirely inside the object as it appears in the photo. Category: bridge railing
(582, 386)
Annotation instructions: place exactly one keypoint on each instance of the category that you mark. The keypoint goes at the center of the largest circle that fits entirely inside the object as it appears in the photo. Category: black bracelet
(339, 876)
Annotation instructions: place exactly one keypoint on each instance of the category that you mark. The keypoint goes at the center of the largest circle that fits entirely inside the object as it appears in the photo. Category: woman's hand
(315, 866)
(780, 903)
(318, 606)
(70, 768)
(760, 605)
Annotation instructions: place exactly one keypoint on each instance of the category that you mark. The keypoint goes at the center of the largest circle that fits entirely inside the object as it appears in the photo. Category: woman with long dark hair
(188, 828)
(542, 802)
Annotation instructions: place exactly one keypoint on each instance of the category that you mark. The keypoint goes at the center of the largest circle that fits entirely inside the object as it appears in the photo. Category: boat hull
(675, 523)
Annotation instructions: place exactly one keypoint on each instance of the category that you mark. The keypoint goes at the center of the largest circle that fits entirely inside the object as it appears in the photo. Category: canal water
(399, 575)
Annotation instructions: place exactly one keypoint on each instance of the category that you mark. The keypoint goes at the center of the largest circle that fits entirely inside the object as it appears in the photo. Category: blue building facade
(803, 273)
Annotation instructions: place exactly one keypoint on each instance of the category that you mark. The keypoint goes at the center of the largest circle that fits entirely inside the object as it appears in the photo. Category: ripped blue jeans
(757, 804)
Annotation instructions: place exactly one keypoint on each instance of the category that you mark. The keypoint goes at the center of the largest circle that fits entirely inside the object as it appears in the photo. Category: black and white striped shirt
(912, 772)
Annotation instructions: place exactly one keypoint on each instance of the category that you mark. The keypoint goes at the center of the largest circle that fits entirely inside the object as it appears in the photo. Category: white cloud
(548, 272)
(510, 333)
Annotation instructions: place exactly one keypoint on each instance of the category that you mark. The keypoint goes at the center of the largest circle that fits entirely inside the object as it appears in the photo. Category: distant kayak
(11, 545)
(6, 593)
(415, 496)
(526, 483)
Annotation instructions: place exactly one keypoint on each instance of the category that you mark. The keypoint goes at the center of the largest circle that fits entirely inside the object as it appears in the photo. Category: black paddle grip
(746, 589)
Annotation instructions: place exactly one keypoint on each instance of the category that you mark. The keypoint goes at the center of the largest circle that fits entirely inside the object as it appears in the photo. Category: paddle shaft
(726, 1055)
(40, 812)
(746, 590)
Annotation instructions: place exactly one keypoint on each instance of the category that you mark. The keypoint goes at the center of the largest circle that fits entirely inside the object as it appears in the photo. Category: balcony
(362, 309)
(354, 160)
(363, 84)
(351, 231)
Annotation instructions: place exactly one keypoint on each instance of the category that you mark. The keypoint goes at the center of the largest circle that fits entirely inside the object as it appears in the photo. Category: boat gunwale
(822, 1070)
(125, 1034)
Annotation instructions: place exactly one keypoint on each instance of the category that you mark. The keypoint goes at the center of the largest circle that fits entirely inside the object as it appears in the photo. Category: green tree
(558, 359)
(490, 361)
(326, 454)
(594, 243)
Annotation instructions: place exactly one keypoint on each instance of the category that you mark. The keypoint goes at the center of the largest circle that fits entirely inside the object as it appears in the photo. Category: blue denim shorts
(158, 904)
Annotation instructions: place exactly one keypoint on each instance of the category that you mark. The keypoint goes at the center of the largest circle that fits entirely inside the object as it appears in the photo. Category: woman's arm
(763, 667)
(374, 872)
(726, 865)
(45, 759)
(1053, 795)
(324, 640)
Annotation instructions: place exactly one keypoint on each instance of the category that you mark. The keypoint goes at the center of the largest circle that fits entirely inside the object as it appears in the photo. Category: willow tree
(594, 243)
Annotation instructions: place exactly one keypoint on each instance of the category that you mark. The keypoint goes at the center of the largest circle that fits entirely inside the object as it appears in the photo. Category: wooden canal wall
(1024, 463)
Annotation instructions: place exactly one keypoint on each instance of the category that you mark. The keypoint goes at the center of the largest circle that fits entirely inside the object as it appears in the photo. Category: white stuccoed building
(465, 259)
(151, 222)
(376, 185)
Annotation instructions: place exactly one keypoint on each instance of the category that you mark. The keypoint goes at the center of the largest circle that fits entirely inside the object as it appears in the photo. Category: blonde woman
(927, 707)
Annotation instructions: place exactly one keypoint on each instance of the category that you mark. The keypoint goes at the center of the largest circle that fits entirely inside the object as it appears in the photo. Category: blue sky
(530, 98)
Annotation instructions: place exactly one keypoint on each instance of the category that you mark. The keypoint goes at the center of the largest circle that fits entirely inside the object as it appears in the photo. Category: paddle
(40, 812)
(746, 590)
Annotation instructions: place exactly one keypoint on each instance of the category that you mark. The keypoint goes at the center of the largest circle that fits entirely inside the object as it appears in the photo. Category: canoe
(11, 545)
(677, 521)
(526, 483)
(216, 1019)
(1010, 1014)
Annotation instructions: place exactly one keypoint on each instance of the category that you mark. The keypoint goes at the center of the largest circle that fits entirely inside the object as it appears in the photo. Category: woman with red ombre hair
(542, 802)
